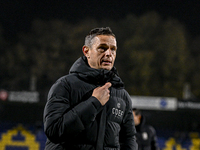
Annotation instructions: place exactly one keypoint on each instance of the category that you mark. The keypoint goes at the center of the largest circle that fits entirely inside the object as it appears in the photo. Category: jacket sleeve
(63, 122)
(128, 131)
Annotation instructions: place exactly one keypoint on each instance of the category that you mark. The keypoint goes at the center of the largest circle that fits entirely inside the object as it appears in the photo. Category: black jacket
(75, 120)
(146, 136)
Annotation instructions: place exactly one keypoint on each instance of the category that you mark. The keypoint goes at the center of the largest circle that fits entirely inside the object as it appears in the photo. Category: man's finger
(107, 85)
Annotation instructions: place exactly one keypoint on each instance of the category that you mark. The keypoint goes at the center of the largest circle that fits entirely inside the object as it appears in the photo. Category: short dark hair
(95, 32)
(137, 111)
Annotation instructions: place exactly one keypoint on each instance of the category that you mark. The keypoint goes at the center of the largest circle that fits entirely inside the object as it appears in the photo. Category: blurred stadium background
(176, 121)
(158, 59)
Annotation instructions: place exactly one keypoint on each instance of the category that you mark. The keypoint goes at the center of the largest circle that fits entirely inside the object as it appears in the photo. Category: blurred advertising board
(163, 103)
(23, 96)
(154, 103)
(182, 104)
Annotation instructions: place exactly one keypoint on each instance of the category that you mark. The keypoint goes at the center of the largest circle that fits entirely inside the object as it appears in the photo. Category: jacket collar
(95, 76)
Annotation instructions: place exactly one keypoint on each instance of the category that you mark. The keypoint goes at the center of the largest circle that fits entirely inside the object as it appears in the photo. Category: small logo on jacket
(117, 111)
(118, 105)
(144, 135)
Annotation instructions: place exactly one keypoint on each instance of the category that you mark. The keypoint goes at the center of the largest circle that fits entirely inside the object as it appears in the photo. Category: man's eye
(101, 49)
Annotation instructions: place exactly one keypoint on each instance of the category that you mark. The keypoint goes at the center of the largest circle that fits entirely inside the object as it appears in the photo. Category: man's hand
(102, 93)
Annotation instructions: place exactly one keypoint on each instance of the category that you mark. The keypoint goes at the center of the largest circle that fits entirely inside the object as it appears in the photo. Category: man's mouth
(106, 62)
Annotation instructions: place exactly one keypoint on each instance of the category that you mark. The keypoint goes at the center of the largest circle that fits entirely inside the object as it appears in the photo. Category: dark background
(16, 16)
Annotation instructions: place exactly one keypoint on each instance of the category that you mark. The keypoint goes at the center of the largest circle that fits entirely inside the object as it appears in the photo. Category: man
(89, 109)
(146, 134)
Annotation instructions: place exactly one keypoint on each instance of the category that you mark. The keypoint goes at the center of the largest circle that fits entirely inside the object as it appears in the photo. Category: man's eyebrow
(103, 45)
(106, 45)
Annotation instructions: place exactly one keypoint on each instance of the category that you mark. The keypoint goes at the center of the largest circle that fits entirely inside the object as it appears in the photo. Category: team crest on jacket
(117, 111)
(118, 105)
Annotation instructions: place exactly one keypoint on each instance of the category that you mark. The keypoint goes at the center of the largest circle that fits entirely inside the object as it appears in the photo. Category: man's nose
(108, 52)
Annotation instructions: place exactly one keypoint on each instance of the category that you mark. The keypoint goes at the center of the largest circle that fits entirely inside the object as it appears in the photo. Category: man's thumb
(107, 85)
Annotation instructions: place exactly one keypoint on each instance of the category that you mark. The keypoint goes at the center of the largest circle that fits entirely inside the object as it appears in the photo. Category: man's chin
(107, 68)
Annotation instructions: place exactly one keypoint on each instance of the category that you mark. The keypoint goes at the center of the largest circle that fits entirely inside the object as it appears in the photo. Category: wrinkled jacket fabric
(146, 136)
(75, 120)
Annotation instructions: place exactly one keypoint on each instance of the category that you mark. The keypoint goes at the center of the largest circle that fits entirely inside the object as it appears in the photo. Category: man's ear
(85, 51)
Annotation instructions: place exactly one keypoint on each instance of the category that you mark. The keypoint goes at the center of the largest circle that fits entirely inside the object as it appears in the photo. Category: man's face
(136, 118)
(102, 54)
